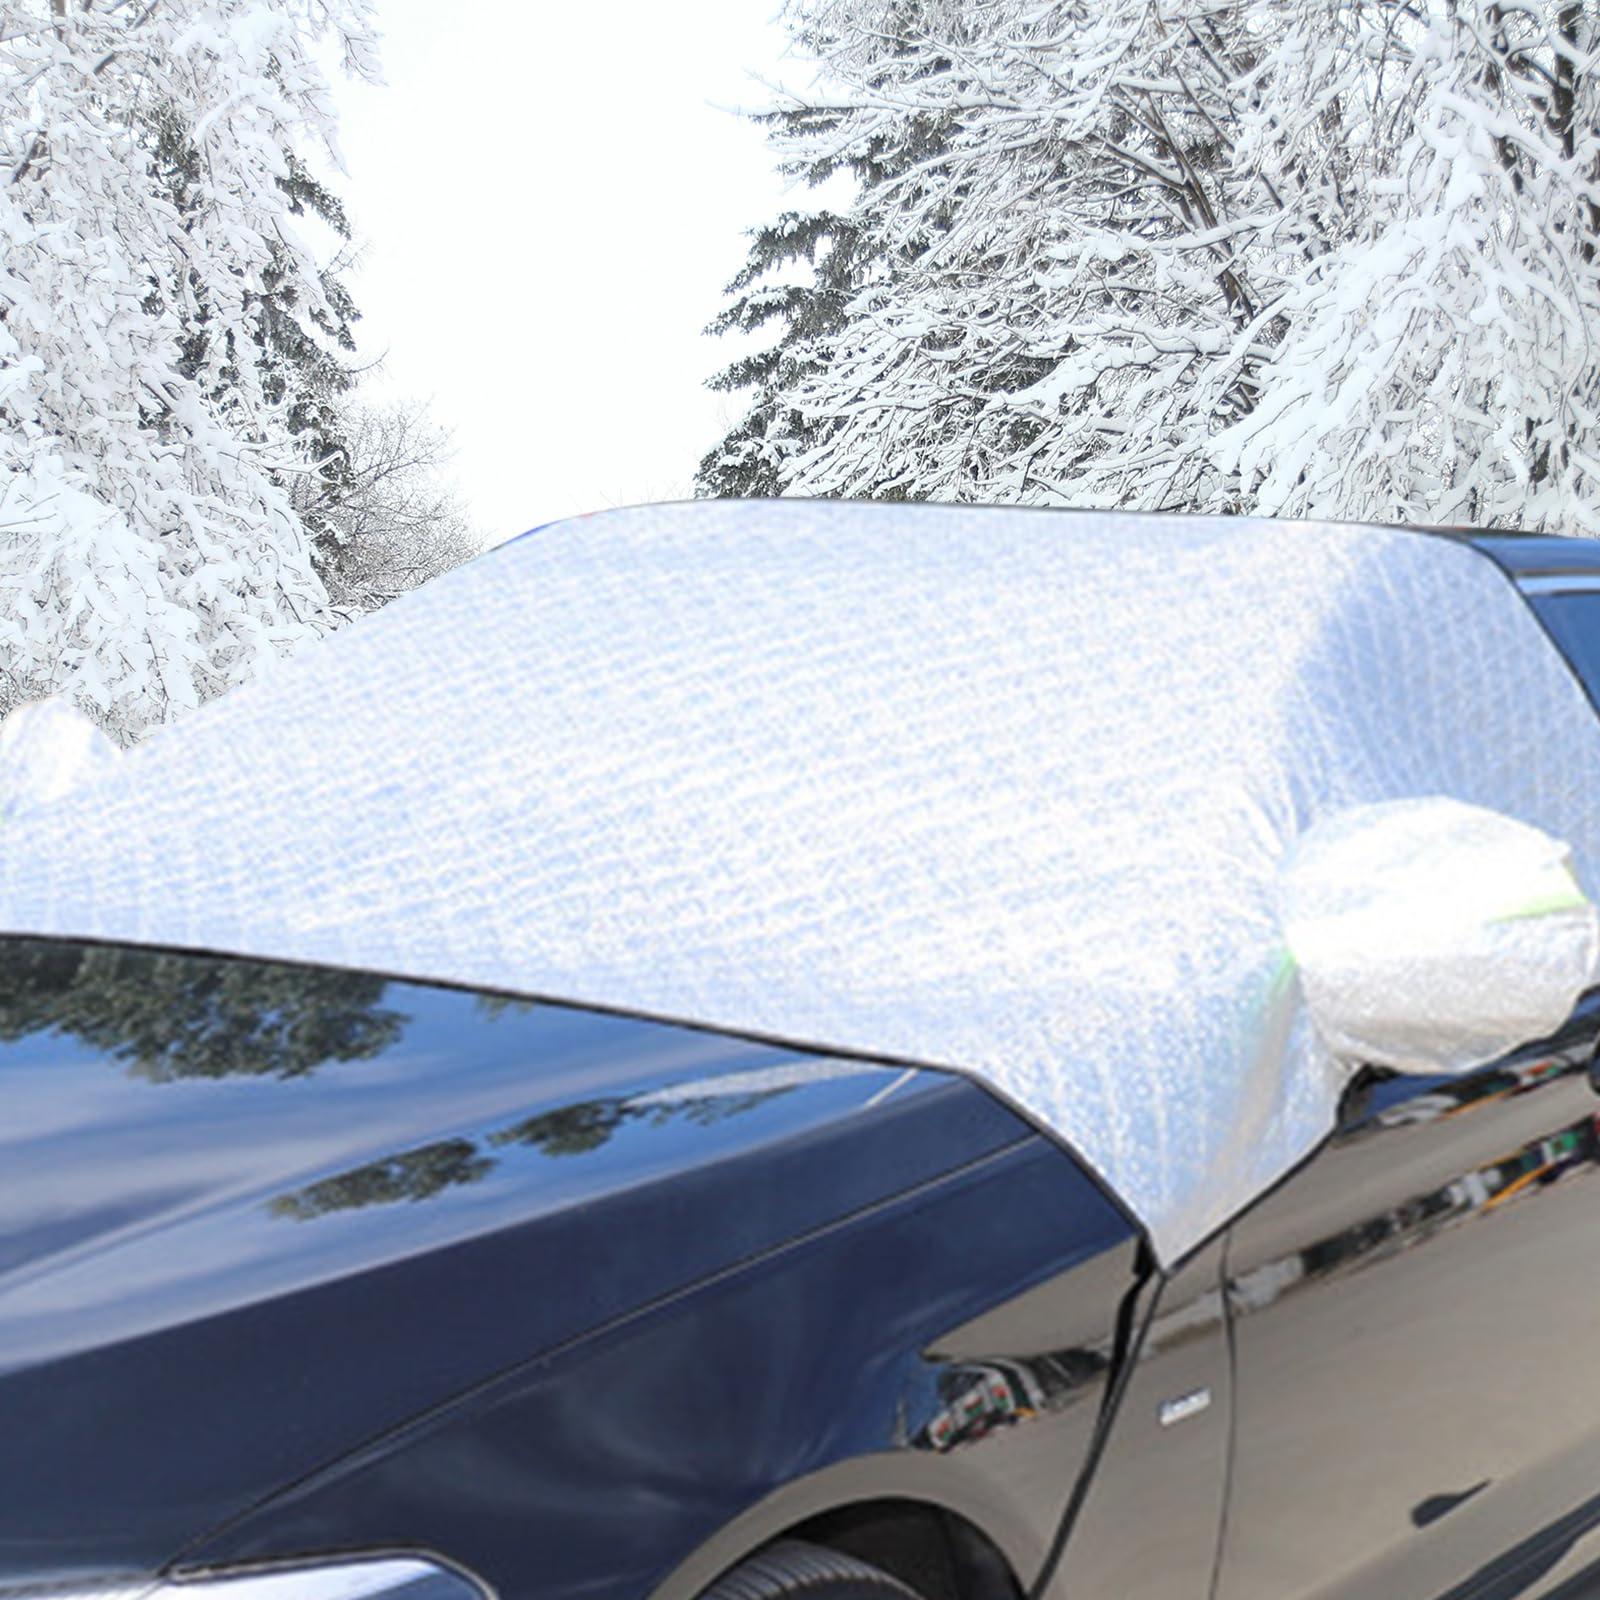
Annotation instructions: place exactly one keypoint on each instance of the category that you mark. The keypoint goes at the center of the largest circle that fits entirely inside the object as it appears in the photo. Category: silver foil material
(1001, 791)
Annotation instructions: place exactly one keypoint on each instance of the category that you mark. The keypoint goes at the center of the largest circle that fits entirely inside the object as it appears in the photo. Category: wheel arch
(918, 1521)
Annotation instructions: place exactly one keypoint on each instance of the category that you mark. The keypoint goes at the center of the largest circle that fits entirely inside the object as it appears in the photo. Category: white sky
(552, 199)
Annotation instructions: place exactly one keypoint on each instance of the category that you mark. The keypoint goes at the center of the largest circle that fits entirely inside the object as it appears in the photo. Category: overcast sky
(552, 200)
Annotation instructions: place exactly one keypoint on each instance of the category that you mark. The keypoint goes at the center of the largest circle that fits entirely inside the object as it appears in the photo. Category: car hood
(253, 1215)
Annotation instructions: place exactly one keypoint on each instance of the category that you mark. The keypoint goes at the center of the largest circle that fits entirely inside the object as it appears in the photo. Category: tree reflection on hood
(171, 1015)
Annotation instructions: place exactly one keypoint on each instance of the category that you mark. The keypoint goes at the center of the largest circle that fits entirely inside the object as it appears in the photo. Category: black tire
(792, 1570)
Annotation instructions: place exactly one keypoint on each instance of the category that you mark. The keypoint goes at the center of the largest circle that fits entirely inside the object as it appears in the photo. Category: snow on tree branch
(1225, 255)
(149, 555)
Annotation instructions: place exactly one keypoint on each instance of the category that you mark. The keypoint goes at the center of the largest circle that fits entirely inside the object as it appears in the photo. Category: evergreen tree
(832, 255)
(302, 349)
(298, 353)
(1235, 256)
(1435, 361)
(747, 461)
(168, 345)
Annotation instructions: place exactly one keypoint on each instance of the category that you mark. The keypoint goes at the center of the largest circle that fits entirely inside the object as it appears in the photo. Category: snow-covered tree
(1266, 255)
(387, 519)
(300, 352)
(1437, 359)
(162, 317)
(822, 246)
(801, 274)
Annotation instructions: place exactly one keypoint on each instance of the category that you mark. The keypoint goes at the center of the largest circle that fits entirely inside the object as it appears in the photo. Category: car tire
(792, 1570)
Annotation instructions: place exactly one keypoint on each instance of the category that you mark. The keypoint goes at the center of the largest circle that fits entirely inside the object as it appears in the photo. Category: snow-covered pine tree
(366, 480)
(1016, 268)
(1216, 255)
(804, 270)
(299, 352)
(154, 398)
(746, 462)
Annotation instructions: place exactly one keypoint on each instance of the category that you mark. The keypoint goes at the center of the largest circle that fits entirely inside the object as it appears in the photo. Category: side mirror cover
(1433, 936)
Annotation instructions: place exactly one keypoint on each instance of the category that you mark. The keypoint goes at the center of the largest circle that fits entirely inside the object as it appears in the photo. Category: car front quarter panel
(867, 1360)
(225, 1263)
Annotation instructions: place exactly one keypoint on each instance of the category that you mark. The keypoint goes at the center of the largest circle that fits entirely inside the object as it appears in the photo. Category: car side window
(1573, 620)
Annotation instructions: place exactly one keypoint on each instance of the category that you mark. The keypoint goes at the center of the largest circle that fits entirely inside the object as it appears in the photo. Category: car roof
(1526, 555)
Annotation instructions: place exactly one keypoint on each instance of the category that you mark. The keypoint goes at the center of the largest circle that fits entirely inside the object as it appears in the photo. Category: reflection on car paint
(229, 1179)
(168, 1016)
(1477, 1090)
(1148, 1526)
(575, 1129)
(1538, 1164)
(1419, 1343)
(982, 1396)
(1521, 1171)
(900, 1324)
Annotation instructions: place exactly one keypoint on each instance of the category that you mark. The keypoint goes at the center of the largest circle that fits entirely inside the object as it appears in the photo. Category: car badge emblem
(1184, 1405)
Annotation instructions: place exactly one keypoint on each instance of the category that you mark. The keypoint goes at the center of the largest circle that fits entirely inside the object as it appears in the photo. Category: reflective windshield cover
(997, 790)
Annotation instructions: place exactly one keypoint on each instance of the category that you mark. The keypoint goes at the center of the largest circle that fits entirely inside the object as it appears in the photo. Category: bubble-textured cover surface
(1003, 791)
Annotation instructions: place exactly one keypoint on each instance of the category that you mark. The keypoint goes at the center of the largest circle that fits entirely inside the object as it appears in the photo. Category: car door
(1416, 1328)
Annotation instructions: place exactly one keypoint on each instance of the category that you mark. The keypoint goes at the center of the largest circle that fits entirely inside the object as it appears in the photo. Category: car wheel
(791, 1570)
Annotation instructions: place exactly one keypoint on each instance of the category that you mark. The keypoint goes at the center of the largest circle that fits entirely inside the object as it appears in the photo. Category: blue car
(339, 1271)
